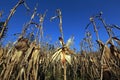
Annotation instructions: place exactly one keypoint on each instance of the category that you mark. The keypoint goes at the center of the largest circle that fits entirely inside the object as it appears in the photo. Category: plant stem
(95, 29)
(102, 58)
(9, 17)
(65, 71)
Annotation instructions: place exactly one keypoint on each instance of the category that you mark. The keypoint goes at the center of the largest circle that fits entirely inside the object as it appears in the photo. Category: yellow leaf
(68, 58)
(56, 55)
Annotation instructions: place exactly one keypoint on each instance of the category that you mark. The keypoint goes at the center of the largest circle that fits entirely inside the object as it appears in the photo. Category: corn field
(31, 58)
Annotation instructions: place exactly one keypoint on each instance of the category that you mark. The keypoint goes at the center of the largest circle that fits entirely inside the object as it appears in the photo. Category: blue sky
(76, 14)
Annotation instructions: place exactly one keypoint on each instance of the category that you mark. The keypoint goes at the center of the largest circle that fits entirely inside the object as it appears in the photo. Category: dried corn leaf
(20, 73)
(68, 58)
(1, 52)
(28, 53)
(8, 71)
(70, 42)
(35, 55)
(56, 55)
(107, 52)
(29, 68)
(17, 55)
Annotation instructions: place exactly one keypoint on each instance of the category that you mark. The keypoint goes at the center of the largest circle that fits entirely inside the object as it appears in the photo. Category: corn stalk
(12, 12)
(41, 20)
(59, 15)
